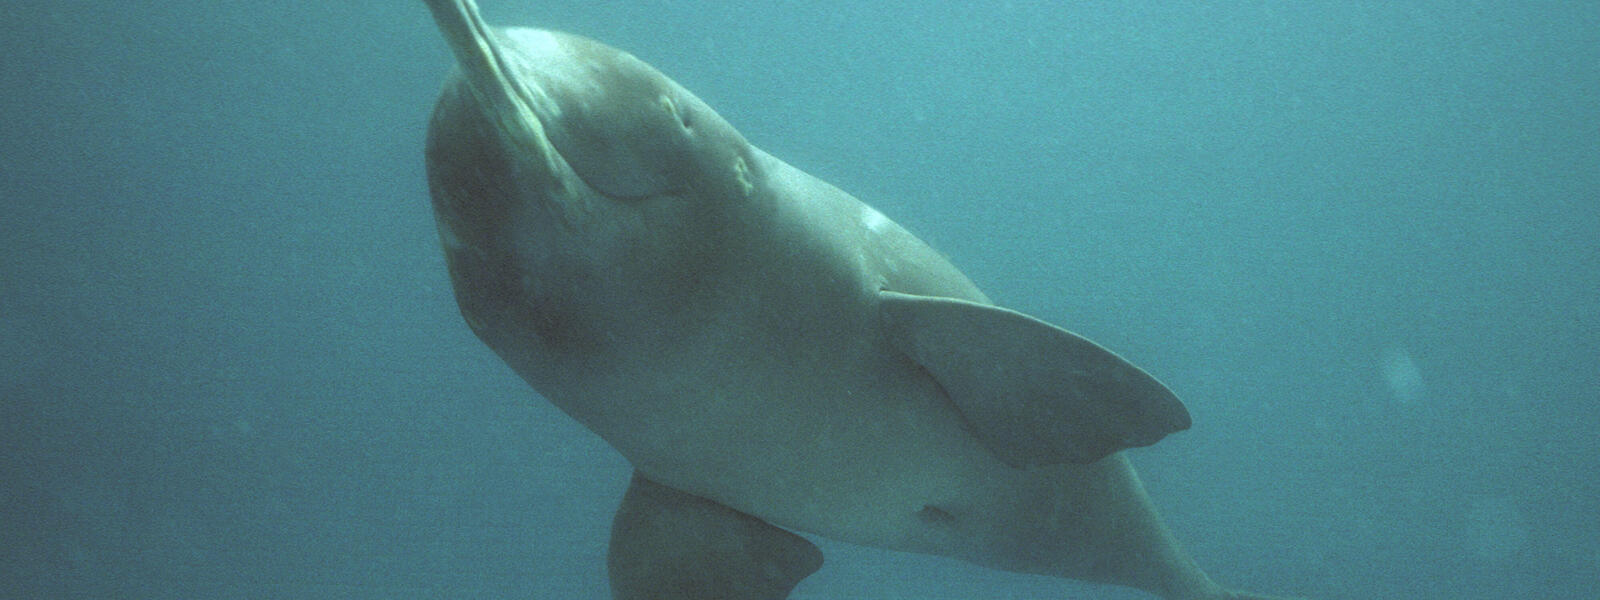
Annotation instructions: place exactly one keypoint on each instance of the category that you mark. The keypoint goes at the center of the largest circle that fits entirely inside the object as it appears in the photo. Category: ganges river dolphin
(770, 354)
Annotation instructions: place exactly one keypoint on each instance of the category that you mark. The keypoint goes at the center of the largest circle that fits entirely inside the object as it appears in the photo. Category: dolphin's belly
(847, 445)
(784, 402)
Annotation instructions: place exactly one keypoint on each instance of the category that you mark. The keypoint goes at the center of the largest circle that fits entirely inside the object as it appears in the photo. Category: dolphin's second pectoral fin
(1034, 393)
(670, 545)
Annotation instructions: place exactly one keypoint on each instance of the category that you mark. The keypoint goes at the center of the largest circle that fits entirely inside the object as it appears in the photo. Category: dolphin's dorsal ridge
(1033, 393)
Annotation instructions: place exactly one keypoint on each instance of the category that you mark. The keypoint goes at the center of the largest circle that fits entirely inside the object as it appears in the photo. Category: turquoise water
(1358, 238)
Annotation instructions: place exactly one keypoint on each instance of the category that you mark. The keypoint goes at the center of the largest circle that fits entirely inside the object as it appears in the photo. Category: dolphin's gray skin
(768, 352)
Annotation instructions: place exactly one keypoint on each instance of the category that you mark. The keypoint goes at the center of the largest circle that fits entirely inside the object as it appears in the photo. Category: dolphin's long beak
(504, 97)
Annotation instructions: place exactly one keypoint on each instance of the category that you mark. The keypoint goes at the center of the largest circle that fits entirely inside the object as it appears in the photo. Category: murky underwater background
(1358, 238)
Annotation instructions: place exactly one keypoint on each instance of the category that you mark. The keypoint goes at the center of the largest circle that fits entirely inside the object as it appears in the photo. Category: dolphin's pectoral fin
(670, 545)
(1034, 393)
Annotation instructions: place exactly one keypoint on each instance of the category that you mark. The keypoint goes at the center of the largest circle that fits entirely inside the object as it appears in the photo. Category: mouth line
(514, 102)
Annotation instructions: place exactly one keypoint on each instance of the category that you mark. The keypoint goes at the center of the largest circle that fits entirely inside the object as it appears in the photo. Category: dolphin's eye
(672, 109)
